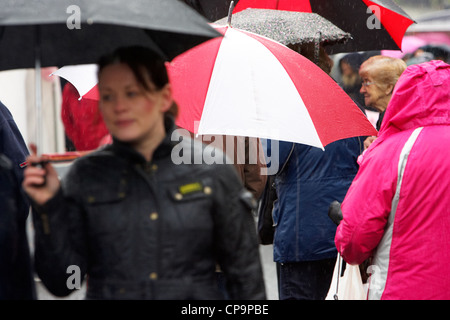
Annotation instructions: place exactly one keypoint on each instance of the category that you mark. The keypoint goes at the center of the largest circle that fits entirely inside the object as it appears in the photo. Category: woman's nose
(119, 105)
(363, 89)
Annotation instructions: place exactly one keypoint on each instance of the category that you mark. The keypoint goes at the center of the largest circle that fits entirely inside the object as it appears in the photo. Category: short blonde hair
(383, 70)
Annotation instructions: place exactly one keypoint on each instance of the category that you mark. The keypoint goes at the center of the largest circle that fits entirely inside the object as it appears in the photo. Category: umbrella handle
(317, 48)
(38, 90)
(230, 13)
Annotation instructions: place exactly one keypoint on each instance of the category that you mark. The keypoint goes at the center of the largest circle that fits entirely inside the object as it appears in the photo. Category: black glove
(335, 213)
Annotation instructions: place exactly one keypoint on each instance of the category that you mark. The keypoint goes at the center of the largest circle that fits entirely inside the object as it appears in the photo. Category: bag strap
(402, 164)
(335, 296)
(287, 159)
(377, 284)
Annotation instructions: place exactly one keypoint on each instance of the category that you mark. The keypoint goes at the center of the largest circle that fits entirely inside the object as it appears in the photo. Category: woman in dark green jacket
(140, 223)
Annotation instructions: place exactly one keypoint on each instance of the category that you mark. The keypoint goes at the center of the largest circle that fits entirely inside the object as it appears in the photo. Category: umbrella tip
(230, 13)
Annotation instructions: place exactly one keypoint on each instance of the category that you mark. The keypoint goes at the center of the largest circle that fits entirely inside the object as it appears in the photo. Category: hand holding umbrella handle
(41, 180)
(335, 212)
(41, 164)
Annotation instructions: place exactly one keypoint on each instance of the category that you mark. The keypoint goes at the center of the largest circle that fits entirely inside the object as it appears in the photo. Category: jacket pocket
(105, 194)
(193, 201)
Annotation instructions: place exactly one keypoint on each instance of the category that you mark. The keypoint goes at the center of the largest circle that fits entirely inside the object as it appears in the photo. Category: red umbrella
(374, 24)
(247, 85)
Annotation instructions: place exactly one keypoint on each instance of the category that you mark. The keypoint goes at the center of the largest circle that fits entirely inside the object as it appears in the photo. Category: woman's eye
(132, 94)
(105, 97)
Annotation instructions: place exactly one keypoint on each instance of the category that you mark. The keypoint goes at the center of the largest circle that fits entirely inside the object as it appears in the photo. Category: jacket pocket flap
(190, 190)
(107, 193)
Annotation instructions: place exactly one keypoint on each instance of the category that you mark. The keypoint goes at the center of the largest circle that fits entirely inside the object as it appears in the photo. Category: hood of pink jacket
(421, 98)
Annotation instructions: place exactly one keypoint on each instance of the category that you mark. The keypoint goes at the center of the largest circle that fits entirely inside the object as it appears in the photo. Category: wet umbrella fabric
(35, 34)
(287, 27)
(247, 85)
(79, 34)
(383, 29)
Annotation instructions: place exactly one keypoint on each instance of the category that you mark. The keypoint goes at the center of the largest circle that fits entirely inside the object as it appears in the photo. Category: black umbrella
(287, 27)
(357, 17)
(65, 32)
(211, 9)
(75, 32)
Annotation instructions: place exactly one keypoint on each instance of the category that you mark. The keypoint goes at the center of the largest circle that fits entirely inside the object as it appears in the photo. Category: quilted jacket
(153, 230)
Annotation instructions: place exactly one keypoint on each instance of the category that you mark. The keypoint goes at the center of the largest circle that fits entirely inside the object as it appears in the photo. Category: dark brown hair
(144, 63)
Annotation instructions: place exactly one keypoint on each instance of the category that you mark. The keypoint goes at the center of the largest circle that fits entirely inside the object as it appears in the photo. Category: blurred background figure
(427, 53)
(246, 155)
(350, 80)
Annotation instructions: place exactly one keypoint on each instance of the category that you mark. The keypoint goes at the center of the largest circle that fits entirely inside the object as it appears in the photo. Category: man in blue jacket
(16, 277)
(311, 179)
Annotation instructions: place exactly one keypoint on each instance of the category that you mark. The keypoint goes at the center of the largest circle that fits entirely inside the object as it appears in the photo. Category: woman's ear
(389, 89)
(166, 93)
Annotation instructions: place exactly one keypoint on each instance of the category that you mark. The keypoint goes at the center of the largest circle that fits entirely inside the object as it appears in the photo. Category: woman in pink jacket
(397, 210)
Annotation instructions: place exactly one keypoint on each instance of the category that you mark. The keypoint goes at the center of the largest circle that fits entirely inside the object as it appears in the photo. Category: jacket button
(153, 276)
(178, 196)
(153, 216)
(207, 190)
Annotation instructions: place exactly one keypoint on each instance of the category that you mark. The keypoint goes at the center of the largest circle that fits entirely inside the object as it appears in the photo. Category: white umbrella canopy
(83, 77)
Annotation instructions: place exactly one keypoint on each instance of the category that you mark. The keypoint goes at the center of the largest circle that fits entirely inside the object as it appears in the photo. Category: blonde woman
(379, 74)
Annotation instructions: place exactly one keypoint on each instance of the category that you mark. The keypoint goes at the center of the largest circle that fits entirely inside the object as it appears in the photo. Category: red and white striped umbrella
(246, 85)
(243, 84)
(83, 77)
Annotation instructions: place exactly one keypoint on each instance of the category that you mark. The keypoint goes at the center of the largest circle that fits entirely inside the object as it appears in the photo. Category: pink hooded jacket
(397, 210)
